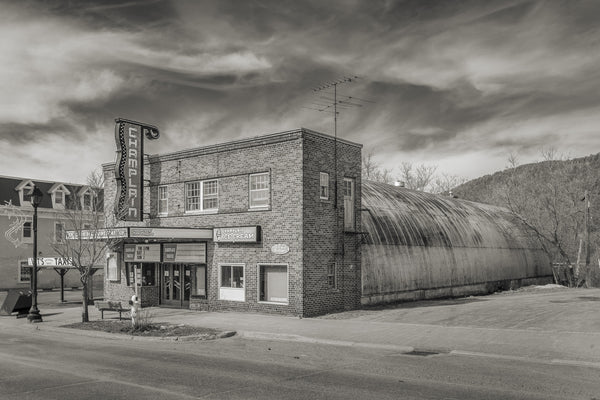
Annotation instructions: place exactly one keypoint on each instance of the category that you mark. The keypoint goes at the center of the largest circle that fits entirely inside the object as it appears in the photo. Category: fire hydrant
(135, 306)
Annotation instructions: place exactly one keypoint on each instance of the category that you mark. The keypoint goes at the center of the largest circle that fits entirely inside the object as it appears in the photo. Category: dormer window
(59, 194)
(24, 188)
(86, 196)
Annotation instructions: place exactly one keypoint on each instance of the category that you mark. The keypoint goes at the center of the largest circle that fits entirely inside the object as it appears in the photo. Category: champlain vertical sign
(129, 136)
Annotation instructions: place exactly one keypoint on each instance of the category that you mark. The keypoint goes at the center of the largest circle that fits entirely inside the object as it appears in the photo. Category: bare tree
(419, 177)
(444, 183)
(372, 171)
(88, 242)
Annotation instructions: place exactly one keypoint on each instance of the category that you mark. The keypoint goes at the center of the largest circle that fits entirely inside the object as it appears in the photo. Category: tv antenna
(330, 101)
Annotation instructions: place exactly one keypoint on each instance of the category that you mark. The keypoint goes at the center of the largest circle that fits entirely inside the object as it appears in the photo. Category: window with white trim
(58, 194)
(324, 186)
(59, 232)
(260, 190)
(163, 200)
(24, 193)
(273, 283)
(231, 282)
(202, 196)
(24, 272)
(332, 276)
(59, 198)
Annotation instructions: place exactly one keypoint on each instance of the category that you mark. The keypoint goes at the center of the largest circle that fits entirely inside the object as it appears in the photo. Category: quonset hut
(418, 245)
(283, 223)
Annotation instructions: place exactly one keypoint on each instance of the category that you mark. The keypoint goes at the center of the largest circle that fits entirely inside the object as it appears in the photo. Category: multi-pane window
(163, 200)
(59, 232)
(210, 195)
(24, 272)
(324, 186)
(202, 196)
(332, 275)
(259, 190)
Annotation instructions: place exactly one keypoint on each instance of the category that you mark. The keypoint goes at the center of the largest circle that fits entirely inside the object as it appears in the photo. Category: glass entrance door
(175, 285)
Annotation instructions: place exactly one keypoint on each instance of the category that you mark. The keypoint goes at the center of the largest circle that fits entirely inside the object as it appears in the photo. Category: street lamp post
(36, 198)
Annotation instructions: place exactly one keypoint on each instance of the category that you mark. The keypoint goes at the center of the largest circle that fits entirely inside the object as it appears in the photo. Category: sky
(460, 85)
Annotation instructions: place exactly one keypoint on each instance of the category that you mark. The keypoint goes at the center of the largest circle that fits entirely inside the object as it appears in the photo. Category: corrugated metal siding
(415, 241)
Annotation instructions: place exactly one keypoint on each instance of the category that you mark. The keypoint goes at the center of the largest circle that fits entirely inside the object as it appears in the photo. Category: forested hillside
(560, 200)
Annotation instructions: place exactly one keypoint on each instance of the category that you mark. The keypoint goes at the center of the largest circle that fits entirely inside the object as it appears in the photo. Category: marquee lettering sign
(129, 171)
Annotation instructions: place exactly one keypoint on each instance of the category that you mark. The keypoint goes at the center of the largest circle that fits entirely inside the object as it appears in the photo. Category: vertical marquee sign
(129, 173)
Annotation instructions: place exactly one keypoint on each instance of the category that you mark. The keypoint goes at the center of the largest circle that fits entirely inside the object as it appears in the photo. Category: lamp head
(36, 196)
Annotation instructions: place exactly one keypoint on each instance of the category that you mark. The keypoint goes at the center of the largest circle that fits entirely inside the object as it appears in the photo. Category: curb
(122, 336)
(304, 339)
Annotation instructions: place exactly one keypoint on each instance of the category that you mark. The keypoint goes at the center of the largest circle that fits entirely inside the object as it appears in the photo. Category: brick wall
(324, 237)
(311, 228)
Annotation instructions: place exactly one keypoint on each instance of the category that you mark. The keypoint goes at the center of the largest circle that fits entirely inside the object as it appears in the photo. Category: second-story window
(259, 190)
(59, 232)
(324, 186)
(202, 196)
(27, 238)
(163, 200)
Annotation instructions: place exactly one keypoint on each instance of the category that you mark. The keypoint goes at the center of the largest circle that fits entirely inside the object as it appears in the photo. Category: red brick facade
(297, 219)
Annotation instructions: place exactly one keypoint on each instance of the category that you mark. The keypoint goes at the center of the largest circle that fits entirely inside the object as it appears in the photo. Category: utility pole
(586, 224)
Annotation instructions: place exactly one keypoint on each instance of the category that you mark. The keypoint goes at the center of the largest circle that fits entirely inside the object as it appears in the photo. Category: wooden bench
(110, 306)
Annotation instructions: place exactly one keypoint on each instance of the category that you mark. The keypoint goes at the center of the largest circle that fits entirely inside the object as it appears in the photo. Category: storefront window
(148, 275)
(200, 281)
(273, 283)
(232, 282)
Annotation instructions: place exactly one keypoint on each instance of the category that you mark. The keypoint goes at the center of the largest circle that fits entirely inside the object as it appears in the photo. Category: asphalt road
(37, 364)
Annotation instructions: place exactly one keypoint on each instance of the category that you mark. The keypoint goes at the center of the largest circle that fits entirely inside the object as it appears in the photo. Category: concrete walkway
(550, 325)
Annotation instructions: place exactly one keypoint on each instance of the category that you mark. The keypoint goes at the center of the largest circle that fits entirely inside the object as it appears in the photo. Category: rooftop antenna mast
(331, 102)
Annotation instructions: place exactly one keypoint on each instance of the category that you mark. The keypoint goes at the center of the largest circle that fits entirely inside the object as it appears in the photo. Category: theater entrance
(176, 284)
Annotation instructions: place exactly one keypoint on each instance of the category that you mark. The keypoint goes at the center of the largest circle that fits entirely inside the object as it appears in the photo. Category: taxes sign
(51, 262)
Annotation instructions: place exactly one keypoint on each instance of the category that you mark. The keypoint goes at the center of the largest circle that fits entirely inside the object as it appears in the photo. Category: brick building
(250, 225)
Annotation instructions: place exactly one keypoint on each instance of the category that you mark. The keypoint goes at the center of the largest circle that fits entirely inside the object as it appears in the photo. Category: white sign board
(51, 262)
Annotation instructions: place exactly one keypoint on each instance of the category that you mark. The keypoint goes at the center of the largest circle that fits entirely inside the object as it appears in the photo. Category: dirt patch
(155, 329)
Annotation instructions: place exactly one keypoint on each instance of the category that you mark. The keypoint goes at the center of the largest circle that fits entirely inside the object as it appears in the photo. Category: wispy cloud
(451, 81)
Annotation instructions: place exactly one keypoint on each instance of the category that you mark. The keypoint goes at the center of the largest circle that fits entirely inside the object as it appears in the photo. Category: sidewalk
(552, 326)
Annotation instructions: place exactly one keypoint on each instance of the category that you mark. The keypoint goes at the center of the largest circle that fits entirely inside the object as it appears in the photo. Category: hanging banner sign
(129, 169)
(247, 234)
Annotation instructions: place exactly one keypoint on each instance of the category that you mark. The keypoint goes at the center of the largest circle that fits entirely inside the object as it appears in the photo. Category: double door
(176, 285)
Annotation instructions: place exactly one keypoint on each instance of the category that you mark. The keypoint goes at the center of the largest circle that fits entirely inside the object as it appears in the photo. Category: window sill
(274, 303)
(266, 208)
(201, 212)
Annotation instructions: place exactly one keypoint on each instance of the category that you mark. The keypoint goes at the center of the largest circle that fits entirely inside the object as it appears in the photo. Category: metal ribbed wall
(415, 241)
